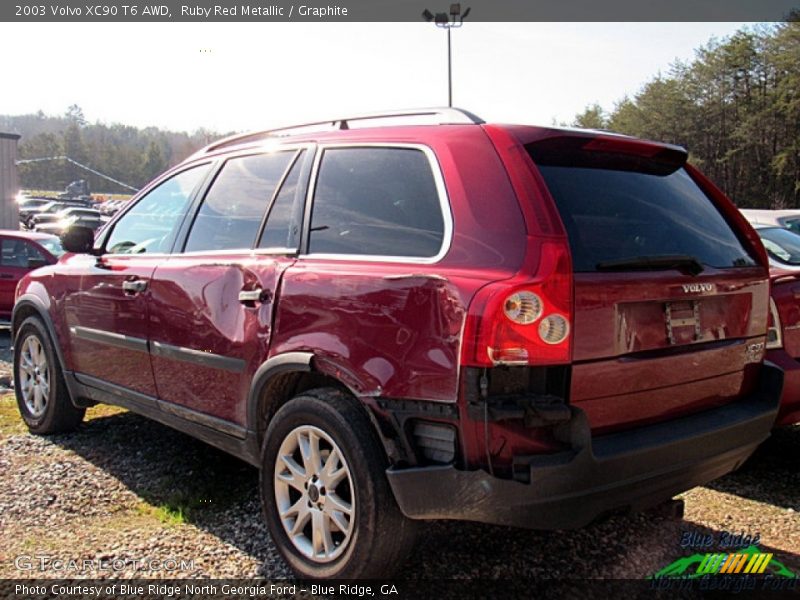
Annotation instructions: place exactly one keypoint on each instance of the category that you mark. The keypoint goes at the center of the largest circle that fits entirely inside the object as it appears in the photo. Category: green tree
(591, 118)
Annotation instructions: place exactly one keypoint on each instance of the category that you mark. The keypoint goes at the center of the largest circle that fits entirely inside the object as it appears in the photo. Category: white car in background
(788, 219)
(783, 246)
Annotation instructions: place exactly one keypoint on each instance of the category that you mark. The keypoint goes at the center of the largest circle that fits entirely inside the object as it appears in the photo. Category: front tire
(324, 492)
(39, 385)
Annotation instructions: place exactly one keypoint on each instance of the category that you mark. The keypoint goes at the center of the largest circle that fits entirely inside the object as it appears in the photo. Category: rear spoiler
(606, 150)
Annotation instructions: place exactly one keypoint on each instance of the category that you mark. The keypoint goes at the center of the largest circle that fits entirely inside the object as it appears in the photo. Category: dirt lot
(124, 489)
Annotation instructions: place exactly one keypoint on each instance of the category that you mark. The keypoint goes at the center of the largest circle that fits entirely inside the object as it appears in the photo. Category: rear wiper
(682, 262)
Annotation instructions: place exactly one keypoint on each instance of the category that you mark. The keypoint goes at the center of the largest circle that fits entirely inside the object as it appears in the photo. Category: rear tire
(330, 509)
(42, 395)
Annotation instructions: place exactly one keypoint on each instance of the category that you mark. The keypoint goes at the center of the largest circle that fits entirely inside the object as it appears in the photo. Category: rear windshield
(615, 215)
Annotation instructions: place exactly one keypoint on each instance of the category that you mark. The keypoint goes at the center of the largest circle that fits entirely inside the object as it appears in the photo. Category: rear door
(670, 306)
(212, 304)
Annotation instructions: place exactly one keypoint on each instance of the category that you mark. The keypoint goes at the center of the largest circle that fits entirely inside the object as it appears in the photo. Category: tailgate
(650, 348)
(671, 301)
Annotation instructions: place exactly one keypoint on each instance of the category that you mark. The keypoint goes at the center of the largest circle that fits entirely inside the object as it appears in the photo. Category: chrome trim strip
(197, 357)
(126, 342)
(441, 190)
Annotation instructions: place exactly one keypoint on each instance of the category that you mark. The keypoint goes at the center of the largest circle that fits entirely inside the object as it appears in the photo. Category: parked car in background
(111, 207)
(783, 337)
(788, 219)
(20, 253)
(35, 215)
(782, 245)
(433, 319)
(61, 221)
(29, 206)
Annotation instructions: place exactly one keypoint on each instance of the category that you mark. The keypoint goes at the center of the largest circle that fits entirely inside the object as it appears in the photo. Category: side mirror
(77, 239)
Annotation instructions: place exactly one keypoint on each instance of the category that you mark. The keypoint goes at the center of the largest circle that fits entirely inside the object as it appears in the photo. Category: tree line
(128, 154)
(735, 107)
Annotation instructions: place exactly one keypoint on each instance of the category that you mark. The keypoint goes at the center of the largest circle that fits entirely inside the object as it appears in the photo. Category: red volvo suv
(419, 316)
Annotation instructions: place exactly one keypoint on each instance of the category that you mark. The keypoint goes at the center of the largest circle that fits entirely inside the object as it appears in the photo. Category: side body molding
(282, 363)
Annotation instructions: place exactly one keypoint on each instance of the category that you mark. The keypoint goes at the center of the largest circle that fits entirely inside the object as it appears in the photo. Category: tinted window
(792, 225)
(781, 244)
(282, 226)
(376, 201)
(19, 253)
(232, 210)
(616, 215)
(150, 225)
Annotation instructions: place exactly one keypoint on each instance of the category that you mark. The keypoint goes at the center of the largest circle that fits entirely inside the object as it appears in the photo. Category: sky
(241, 76)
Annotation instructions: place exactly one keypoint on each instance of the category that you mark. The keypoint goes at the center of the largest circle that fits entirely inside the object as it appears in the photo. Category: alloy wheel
(34, 374)
(314, 494)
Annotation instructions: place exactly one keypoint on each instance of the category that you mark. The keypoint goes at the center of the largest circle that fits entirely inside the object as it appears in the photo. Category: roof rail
(430, 116)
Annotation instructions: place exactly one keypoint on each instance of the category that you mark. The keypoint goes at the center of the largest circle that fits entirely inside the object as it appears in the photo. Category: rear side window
(233, 208)
(619, 214)
(376, 201)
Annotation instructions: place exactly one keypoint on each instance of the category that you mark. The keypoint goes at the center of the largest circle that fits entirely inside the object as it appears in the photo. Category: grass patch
(10, 421)
(103, 410)
(167, 514)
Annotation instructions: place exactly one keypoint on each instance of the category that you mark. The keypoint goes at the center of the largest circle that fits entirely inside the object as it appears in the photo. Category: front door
(107, 312)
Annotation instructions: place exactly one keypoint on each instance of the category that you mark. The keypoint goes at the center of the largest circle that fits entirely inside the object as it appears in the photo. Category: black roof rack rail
(430, 116)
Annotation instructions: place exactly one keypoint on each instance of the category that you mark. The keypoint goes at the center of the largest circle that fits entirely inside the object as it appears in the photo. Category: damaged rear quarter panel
(383, 330)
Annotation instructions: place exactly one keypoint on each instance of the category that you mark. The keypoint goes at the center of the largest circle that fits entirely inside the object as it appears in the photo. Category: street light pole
(449, 71)
(447, 21)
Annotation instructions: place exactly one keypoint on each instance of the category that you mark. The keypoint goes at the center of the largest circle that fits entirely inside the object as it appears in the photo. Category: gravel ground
(123, 488)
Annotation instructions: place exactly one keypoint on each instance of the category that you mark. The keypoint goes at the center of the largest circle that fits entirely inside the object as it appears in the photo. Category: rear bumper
(789, 412)
(624, 471)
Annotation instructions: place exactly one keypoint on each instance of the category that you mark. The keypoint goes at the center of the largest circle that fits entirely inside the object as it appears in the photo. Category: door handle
(253, 296)
(6, 276)
(134, 287)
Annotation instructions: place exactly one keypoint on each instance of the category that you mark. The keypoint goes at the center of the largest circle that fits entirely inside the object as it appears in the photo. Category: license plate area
(683, 322)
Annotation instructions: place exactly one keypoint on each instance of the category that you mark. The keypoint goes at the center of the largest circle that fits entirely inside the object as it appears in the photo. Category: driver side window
(150, 226)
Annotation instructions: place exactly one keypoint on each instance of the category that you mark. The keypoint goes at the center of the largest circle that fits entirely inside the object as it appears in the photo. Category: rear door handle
(253, 296)
(134, 287)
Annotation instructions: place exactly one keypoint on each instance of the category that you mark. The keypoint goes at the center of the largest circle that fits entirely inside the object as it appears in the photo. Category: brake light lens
(524, 320)
(774, 337)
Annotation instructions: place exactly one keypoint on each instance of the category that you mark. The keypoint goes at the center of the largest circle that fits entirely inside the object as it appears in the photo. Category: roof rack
(430, 116)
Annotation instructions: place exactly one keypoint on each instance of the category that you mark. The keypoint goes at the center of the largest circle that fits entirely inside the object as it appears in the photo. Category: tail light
(525, 320)
(774, 337)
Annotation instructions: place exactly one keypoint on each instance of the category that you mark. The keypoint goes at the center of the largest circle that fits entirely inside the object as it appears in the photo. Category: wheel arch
(284, 376)
(33, 306)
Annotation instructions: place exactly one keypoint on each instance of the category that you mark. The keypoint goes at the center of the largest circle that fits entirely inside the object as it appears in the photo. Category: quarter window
(150, 226)
(376, 201)
(232, 210)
